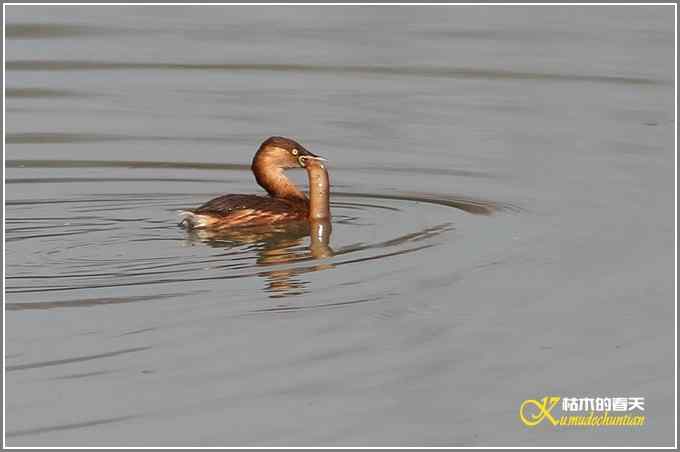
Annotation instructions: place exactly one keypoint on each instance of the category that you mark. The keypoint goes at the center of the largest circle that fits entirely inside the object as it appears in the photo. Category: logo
(583, 411)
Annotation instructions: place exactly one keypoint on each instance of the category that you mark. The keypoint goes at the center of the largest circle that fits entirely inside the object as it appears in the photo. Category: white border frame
(675, 208)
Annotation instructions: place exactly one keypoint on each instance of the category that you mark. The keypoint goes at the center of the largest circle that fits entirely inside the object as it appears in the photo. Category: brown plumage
(252, 210)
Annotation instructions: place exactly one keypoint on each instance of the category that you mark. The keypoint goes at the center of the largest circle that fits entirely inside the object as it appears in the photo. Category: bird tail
(191, 220)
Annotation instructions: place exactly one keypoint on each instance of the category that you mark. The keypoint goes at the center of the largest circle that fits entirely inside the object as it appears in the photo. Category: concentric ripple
(61, 248)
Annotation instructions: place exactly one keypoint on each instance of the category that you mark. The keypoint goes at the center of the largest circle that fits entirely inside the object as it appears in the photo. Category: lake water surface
(503, 224)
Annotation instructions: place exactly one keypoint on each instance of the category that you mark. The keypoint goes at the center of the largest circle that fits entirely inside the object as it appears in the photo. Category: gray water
(503, 224)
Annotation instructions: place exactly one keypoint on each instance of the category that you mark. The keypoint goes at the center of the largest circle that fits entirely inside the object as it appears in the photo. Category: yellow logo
(584, 411)
(532, 412)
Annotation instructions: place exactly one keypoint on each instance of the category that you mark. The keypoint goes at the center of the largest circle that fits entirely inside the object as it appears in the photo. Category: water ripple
(91, 301)
(42, 93)
(77, 359)
(38, 30)
(76, 425)
(396, 71)
(117, 240)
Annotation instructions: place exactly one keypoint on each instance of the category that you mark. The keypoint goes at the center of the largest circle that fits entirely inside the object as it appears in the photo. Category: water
(502, 224)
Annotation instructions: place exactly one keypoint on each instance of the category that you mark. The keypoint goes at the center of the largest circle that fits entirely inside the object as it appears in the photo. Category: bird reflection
(277, 244)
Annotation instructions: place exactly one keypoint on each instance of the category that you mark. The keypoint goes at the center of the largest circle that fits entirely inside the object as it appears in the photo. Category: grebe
(285, 201)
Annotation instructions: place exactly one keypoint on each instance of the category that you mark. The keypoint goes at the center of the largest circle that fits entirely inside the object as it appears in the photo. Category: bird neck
(275, 181)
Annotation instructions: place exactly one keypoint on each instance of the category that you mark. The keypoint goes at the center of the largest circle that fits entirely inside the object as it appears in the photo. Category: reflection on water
(276, 244)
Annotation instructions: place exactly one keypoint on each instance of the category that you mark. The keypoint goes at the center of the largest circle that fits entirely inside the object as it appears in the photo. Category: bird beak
(309, 156)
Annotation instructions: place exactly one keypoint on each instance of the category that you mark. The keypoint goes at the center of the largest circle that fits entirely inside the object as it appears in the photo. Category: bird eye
(294, 151)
